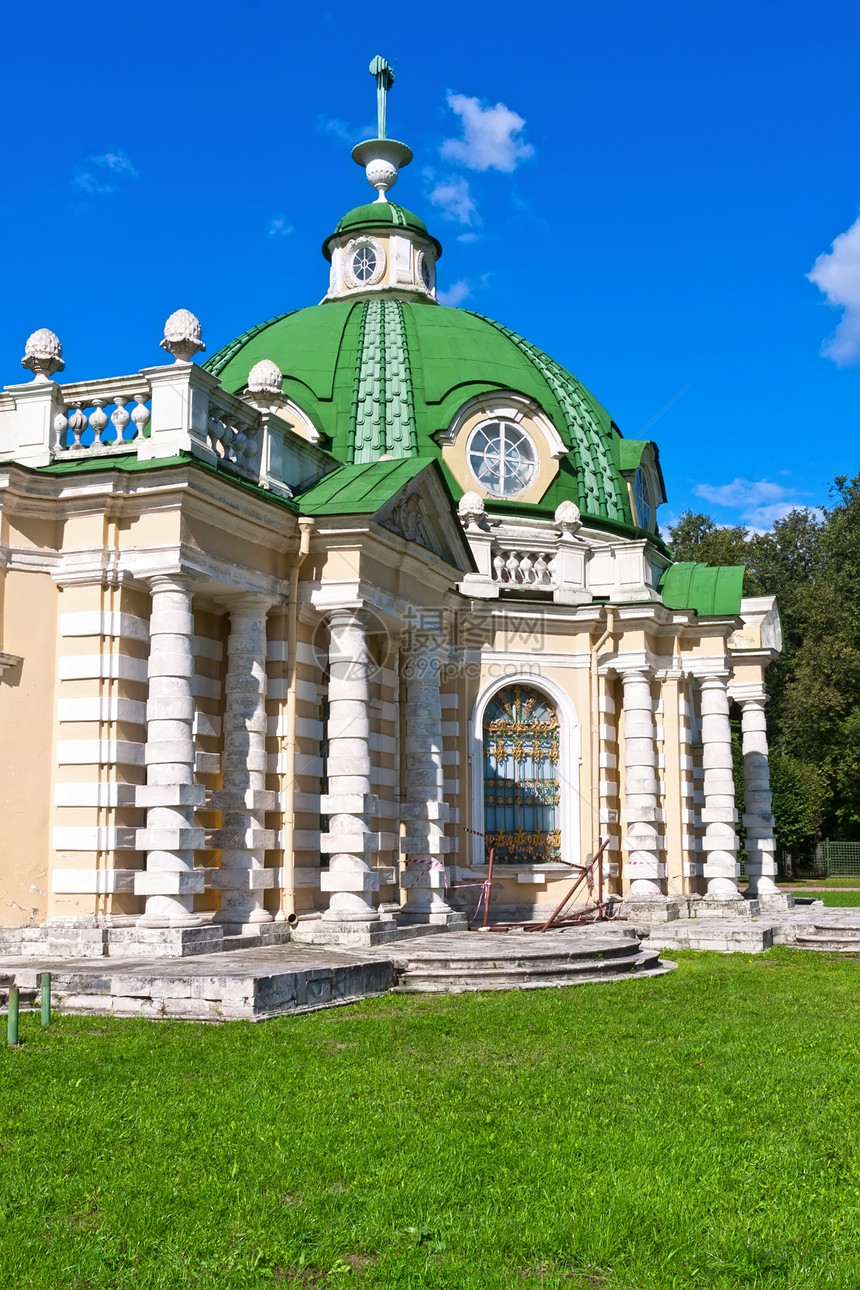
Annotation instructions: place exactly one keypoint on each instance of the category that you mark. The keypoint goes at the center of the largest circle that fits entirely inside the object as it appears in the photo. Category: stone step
(528, 958)
(25, 997)
(532, 974)
(832, 942)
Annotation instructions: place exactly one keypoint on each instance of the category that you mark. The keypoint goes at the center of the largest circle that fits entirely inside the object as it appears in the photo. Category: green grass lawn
(831, 898)
(800, 884)
(697, 1130)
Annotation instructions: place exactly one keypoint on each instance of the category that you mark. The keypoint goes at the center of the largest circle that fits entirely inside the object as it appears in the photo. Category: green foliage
(799, 793)
(652, 1134)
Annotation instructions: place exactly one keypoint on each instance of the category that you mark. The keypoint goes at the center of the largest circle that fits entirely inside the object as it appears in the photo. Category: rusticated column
(758, 806)
(243, 838)
(170, 795)
(349, 803)
(424, 811)
(639, 816)
(719, 814)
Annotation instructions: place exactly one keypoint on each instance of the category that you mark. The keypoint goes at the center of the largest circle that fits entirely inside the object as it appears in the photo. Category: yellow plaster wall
(27, 697)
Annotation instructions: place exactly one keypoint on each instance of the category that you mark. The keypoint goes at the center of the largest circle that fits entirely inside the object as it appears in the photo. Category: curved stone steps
(527, 966)
(830, 937)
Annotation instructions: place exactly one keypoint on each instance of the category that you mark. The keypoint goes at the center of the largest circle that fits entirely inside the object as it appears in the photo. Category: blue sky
(642, 190)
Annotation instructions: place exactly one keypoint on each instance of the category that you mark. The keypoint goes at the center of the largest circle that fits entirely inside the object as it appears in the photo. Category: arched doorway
(521, 776)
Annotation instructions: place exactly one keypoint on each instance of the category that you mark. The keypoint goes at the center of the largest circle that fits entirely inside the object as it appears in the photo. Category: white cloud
(837, 274)
(491, 136)
(279, 227)
(101, 172)
(760, 503)
(455, 295)
(454, 199)
(344, 131)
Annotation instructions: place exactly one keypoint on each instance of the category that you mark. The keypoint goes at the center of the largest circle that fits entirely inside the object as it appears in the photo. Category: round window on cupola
(502, 458)
(364, 262)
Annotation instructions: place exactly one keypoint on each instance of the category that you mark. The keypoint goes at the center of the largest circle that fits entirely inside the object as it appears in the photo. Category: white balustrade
(101, 418)
(524, 567)
(233, 430)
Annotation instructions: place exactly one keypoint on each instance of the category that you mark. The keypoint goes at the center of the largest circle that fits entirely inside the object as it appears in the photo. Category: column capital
(633, 671)
(748, 695)
(346, 616)
(713, 681)
(169, 582)
(248, 604)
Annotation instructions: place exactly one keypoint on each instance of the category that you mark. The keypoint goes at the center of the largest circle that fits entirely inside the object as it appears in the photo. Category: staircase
(470, 961)
(833, 937)
(25, 996)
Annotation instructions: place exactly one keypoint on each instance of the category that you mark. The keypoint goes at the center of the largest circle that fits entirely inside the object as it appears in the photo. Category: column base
(452, 919)
(774, 902)
(654, 909)
(727, 907)
(165, 942)
(359, 935)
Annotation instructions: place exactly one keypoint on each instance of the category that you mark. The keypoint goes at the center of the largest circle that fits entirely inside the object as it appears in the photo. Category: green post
(46, 998)
(12, 1020)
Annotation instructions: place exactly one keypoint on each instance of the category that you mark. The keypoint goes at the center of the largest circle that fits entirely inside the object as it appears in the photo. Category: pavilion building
(290, 637)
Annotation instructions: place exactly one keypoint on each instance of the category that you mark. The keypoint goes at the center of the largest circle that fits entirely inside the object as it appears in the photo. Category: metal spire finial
(384, 76)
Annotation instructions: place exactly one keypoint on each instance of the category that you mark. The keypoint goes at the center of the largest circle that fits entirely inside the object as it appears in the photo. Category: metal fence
(825, 859)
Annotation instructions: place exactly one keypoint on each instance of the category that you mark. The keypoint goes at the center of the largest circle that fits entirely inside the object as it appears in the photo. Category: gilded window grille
(521, 776)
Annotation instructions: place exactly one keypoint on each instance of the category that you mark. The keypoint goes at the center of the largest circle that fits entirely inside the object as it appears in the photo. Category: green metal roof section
(382, 215)
(601, 488)
(360, 489)
(219, 361)
(629, 453)
(383, 377)
(383, 412)
(710, 591)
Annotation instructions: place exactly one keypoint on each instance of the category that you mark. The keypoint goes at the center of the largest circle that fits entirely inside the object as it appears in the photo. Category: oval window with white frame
(502, 458)
(425, 271)
(364, 262)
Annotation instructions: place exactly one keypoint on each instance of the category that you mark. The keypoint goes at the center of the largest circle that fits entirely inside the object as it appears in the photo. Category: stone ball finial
(43, 354)
(182, 336)
(472, 510)
(568, 517)
(265, 382)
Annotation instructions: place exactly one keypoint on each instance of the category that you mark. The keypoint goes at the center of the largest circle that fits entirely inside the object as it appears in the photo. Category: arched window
(521, 776)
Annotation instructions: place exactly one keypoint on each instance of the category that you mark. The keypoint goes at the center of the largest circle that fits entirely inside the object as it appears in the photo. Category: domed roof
(386, 215)
(382, 377)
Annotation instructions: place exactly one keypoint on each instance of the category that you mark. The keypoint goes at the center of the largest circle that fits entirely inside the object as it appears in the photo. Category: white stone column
(719, 815)
(639, 815)
(758, 807)
(425, 811)
(349, 803)
(170, 795)
(243, 800)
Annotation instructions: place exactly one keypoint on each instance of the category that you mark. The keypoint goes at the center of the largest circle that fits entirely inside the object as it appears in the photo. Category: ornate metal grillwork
(521, 785)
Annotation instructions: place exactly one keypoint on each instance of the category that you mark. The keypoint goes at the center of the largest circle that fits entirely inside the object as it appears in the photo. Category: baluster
(526, 568)
(141, 415)
(499, 566)
(552, 568)
(228, 438)
(61, 426)
(215, 432)
(541, 574)
(512, 565)
(98, 421)
(120, 417)
(77, 423)
(240, 445)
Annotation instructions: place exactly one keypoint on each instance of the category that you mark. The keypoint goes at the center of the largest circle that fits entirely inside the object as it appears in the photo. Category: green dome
(381, 377)
(382, 215)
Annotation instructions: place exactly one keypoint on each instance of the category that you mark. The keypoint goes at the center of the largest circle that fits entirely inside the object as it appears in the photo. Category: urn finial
(43, 354)
(472, 510)
(265, 383)
(182, 336)
(568, 517)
